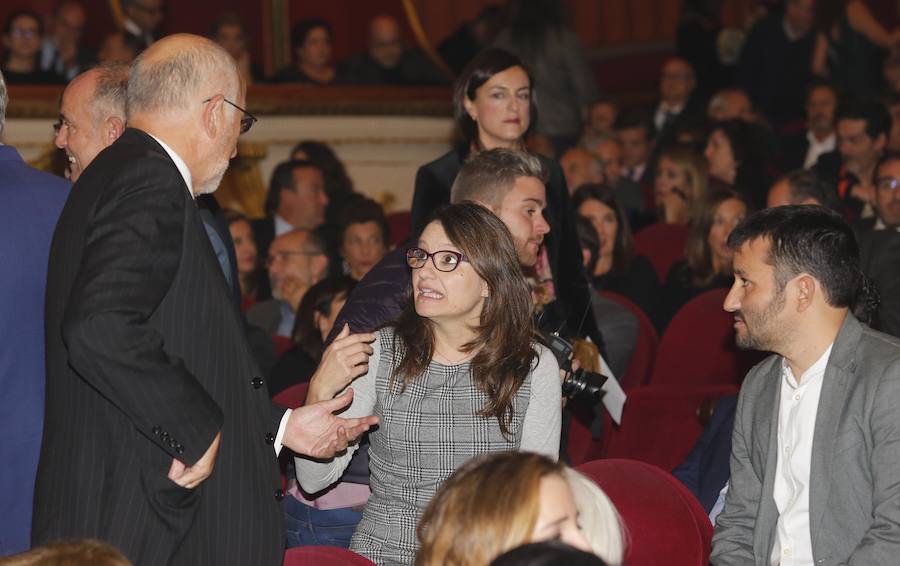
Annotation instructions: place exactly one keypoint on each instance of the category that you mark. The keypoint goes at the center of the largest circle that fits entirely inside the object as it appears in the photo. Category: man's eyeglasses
(24, 33)
(247, 120)
(443, 260)
(887, 184)
(283, 256)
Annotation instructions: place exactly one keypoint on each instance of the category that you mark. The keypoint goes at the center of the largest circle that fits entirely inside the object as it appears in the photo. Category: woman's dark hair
(337, 182)
(532, 21)
(697, 251)
(252, 280)
(503, 338)
(589, 240)
(547, 553)
(360, 211)
(318, 299)
(749, 149)
(7, 26)
(302, 29)
(479, 71)
(623, 248)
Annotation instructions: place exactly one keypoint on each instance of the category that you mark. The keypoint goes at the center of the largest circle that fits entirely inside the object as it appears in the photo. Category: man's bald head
(178, 72)
(385, 45)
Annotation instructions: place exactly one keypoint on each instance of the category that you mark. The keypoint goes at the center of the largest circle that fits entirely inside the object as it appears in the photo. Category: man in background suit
(32, 202)
(802, 149)
(815, 462)
(148, 370)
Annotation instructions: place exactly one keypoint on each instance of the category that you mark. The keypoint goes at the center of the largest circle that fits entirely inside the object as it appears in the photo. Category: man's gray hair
(182, 80)
(4, 99)
(487, 176)
(110, 93)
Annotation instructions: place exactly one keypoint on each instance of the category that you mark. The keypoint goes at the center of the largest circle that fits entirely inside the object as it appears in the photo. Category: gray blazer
(855, 473)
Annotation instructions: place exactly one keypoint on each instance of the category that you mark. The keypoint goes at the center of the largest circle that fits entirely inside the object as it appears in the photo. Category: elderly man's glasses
(887, 184)
(443, 260)
(247, 120)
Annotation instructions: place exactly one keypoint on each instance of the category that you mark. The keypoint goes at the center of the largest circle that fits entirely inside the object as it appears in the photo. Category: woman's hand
(343, 361)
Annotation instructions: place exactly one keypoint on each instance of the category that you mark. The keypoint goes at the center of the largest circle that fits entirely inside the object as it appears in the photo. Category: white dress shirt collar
(817, 148)
(282, 226)
(179, 163)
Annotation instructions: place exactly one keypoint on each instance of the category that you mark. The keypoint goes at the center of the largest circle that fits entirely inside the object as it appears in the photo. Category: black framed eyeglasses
(247, 120)
(887, 184)
(443, 260)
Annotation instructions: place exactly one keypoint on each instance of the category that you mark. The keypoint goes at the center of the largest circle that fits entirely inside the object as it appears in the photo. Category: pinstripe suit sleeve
(132, 252)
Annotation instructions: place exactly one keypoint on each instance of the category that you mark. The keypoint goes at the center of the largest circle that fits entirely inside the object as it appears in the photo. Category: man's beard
(213, 182)
(764, 338)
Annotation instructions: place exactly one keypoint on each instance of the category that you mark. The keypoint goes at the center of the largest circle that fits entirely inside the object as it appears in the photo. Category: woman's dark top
(639, 283)
(433, 182)
(294, 75)
(294, 367)
(681, 288)
(854, 61)
(36, 77)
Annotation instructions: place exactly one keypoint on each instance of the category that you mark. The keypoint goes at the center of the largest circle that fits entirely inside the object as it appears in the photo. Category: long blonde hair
(487, 506)
(598, 519)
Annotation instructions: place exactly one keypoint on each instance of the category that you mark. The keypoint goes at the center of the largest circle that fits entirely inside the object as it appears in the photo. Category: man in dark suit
(159, 437)
(800, 150)
(678, 111)
(31, 204)
(142, 20)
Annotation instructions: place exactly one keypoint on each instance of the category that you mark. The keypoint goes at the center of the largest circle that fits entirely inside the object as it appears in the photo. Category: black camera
(579, 385)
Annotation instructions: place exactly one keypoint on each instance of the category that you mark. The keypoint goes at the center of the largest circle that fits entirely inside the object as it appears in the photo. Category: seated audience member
(814, 466)
(295, 262)
(608, 149)
(799, 187)
(531, 500)
(730, 104)
(547, 553)
(633, 129)
(617, 268)
(678, 111)
(616, 323)
(705, 471)
(681, 182)
(707, 263)
(248, 268)
(862, 129)
(228, 31)
(802, 149)
(735, 151)
(470, 38)
(386, 62)
(22, 35)
(86, 552)
(118, 47)
(580, 167)
(602, 114)
(143, 19)
(311, 43)
(62, 52)
(465, 335)
(887, 195)
(364, 237)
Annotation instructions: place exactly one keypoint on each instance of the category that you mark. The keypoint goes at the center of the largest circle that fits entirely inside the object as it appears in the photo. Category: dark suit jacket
(829, 168)
(32, 201)
(433, 182)
(706, 470)
(146, 362)
(792, 151)
(879, 259)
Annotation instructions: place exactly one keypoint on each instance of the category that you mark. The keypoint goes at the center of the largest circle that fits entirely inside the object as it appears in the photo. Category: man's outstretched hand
(314, 430)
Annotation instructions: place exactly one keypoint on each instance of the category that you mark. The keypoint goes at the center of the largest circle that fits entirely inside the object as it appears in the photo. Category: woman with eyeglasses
(458, 374)
(22, 36)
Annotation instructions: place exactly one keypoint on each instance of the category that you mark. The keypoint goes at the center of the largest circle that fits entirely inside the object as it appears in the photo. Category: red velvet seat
(282, 344)
(292, 397)
(400, 224)
(659, 424)
(321, 555)
(663, 244)
(698, 346)
(665, 523)
(641, 365)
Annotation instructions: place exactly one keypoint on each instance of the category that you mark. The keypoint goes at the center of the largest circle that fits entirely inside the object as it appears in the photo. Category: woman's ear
(485, 290)
(470, 108)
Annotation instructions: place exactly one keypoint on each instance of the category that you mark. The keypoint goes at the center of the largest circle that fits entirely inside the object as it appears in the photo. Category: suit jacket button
(257, 382)
(157, 430)
(179, 449)
(270, 438)
(172, 443)
(164, 436)
(279, 494)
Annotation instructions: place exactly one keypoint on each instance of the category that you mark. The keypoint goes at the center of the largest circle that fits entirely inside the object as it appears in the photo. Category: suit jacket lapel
(838, 373)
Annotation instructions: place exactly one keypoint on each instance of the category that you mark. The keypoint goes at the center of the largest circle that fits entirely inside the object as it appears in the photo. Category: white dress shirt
(282, 226)
(880, 225)
(817, 148)
(186, 175)
(659, 119)
(797, 409)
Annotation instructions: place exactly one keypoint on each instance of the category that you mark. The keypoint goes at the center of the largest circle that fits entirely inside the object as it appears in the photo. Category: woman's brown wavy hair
(503, 339)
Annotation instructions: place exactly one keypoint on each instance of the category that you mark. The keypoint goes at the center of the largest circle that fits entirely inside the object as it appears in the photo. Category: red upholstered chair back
(400, 224)
(665, 523)
(320, 555)
(698, 346)
(659, 424)
(292, 397)
(640, 367)
(282, 344)
(663, 244)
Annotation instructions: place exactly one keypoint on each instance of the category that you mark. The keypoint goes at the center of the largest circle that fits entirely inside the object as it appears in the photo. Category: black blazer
(879, 259)
(792, 151)
(433, 182)
(146, 361)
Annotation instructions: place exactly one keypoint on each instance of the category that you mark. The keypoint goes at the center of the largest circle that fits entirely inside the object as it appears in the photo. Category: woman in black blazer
(493, 108)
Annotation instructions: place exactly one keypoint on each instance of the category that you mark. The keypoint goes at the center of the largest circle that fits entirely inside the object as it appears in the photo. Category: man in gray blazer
(815, 464)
